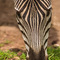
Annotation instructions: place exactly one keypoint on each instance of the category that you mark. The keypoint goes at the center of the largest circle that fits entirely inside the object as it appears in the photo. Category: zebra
(34, 21)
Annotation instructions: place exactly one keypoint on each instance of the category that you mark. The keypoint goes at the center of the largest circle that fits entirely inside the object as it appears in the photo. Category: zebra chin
(37, 56)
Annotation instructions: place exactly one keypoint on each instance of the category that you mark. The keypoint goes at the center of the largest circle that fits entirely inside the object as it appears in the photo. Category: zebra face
(34, 20)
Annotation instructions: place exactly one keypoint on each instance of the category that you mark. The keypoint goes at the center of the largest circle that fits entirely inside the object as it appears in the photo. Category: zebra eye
(48, 12)
(18, 14)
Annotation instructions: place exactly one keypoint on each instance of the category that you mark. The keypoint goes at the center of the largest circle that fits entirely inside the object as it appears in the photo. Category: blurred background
(10, 36)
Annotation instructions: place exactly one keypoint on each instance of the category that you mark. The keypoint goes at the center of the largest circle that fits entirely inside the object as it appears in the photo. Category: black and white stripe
(34, 20)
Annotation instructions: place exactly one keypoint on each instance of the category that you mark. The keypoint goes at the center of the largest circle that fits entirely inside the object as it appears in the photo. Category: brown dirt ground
(9, 30)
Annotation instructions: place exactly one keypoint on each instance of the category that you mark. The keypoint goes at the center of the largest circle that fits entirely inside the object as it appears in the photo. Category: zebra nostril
(27, 58)
(46, 58)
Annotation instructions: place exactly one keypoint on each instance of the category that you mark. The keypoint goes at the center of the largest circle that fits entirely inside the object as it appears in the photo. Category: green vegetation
(4, 43)
(6, 55)
(23, 56)
(1, 44)
(53, 53)
(7, 42)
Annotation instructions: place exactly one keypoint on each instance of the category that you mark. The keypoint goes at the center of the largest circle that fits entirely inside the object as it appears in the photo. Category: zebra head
(34, 20)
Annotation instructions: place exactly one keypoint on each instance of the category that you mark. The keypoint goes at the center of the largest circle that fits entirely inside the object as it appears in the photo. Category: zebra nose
(46, 58)
(27, 58)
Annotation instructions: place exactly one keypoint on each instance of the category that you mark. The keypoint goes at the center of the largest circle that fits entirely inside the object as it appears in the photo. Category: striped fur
(34, 20)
